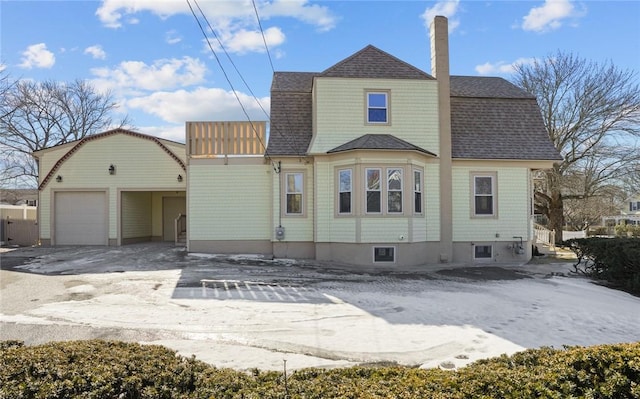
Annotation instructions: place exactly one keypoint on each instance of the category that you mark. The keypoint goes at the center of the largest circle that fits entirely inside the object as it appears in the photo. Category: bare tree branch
(592, 114)
(38, 115)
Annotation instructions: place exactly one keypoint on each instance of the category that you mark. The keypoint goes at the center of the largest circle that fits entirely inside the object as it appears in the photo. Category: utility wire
(244, 110)
(238, 71)
(275, 81)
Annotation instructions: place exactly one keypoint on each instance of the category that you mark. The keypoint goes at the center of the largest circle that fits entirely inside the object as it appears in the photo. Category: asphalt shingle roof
(490, 117)
(378, 142)
(371, 62)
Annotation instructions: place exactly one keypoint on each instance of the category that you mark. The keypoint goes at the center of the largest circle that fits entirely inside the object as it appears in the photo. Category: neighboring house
(112, 188)
(629, 214)
(633, 207)
(373, 161)
(19, 196)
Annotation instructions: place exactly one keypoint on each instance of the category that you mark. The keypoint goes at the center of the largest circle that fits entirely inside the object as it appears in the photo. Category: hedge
(614, 260)
(106, 369)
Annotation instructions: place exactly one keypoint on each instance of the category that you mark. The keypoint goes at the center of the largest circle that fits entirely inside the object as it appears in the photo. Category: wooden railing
(179, 227)
(545, 236)
(221, 139)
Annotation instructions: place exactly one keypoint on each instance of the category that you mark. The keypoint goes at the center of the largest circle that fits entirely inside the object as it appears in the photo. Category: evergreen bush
(104, 369)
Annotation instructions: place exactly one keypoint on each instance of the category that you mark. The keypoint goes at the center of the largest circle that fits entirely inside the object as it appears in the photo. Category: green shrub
(615, 260)
(97, 369)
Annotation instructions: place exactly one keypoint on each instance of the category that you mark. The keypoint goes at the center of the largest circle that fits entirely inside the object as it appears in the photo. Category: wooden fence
(17, 232)
(221, 139)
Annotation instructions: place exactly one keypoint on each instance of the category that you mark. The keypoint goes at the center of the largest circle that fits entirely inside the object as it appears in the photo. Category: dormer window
(377, 107)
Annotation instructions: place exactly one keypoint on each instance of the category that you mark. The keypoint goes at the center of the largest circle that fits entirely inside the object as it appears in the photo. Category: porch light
(112, 169)
(179, 178)
(59, 178)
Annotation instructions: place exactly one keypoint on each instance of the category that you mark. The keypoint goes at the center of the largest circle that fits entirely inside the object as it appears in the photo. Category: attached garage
(112, 188)
(81, 218)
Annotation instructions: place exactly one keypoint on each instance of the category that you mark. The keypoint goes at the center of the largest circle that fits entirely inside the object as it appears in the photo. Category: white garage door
(80, 218)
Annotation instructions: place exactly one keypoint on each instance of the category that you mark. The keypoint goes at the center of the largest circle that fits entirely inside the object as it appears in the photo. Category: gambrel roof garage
(111, 188)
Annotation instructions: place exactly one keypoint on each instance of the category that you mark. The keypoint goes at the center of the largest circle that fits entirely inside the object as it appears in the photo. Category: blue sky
(152, 55)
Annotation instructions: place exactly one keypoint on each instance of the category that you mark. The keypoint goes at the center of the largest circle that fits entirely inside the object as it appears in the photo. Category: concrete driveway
(245, 312)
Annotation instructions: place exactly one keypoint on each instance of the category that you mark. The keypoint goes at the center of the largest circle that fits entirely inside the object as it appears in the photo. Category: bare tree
(37, 115)
(592, 114)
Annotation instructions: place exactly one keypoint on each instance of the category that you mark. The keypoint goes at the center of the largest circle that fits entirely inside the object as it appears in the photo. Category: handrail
(179, 226)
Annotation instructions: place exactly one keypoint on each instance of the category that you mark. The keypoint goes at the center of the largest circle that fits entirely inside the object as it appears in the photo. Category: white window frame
(494, 195)
(341, 191)
(367, 190)
(482, 259)
(287, 193)
(370, 107)
(389, 173)
(386, 247)
(418, 189)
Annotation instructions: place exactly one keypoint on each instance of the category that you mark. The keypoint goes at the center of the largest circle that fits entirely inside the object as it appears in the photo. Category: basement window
(384, 254)
(482, 252)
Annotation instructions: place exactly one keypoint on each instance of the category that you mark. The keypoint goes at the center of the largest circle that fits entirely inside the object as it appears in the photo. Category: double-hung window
(294, 185)
(377, 107)
(345, 191)
(394, 190)
(484, 196)
(417, 191)
(373, 190)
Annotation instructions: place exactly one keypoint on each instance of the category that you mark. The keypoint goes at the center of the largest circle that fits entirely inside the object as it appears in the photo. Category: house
(373, 161)
(111, 188)
(629, 213)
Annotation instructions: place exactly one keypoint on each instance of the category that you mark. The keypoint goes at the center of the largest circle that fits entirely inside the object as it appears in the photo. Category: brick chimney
(439, 33)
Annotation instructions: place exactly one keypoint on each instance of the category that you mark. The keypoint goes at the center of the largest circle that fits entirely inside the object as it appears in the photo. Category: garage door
(80, 218)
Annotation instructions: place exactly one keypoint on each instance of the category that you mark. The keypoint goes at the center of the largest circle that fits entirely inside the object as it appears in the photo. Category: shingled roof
(378, 142)
(493, 119)
(490, 117)
(371, 62)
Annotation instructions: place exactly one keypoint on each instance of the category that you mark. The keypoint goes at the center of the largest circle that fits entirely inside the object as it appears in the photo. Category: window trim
(380, 190)
(419, 191)
(483, 259)
(339, 202)
(388, 190)
(387, 108)
(285, 193)
(393, 252)
(494, 195)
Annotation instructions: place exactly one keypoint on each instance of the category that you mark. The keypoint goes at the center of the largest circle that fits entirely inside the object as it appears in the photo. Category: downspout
(440, 70)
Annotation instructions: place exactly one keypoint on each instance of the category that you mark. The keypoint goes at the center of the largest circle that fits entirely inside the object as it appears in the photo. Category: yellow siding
(140, 164)
(229, 202)
(296, 228)
(387, 229)
(512, 205)
(137, 208)
(157, 198)
(340, 109)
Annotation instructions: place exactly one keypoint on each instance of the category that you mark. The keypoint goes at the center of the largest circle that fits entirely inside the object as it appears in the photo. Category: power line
(244, 110)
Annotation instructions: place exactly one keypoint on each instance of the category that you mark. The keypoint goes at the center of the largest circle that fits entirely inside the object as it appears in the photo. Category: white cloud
(172, 37)
(199, 104)
(2, 66)
(245, 41)
(37, 56)
(234, 21)
(549, 16)
(312, 14)
(161, 75)
(501, 67)
(447, 8)
(96, 52)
